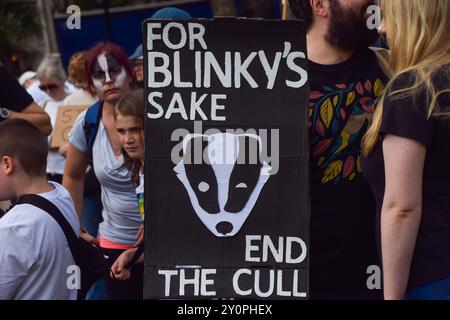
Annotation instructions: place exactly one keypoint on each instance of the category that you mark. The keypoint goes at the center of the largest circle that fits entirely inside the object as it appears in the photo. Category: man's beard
(348, 29)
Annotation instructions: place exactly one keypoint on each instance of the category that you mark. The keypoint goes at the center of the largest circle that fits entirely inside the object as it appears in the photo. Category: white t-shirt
(120, 213)
(55, 161)
(80, 97)
(34, 253)
(40, 96)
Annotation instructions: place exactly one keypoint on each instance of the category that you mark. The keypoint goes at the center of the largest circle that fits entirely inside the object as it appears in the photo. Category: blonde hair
(418, 34)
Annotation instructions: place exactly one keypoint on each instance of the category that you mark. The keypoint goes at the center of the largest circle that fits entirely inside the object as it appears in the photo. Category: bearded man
(345, 80)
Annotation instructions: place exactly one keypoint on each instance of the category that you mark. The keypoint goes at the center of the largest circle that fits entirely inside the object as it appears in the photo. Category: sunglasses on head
(48, 87)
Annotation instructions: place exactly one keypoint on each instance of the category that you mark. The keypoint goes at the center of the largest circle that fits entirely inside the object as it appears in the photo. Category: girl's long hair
(418, 33)
(132, 104)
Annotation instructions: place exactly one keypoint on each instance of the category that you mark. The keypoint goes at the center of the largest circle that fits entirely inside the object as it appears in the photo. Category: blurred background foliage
(18, 21)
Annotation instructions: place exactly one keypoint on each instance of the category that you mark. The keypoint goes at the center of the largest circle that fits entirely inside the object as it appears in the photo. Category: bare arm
(73, 180)
(35, 115)
(401, 212)
(74, 174)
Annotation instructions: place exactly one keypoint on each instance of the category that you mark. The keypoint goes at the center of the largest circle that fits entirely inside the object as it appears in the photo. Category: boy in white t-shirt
(35, 258)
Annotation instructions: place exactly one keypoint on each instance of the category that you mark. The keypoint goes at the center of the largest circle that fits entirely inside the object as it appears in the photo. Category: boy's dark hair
(302, 10)
(23, 141)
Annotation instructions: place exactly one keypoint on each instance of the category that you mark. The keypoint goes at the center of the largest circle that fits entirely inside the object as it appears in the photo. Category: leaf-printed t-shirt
(342, 235)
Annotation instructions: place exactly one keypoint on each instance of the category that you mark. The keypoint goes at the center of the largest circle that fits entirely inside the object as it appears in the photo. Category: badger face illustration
(224, 189)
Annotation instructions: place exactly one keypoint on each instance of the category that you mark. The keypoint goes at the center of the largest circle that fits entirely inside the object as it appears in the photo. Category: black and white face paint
(106, 70)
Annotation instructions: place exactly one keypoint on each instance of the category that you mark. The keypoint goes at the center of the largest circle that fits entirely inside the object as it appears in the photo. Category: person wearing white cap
(27, 79)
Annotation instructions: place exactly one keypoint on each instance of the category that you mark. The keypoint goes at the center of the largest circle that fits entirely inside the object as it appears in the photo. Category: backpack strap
(91, 123)
(91, 263)
(55, 213)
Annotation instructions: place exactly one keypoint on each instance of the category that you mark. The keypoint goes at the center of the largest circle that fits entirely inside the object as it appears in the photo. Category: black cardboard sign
(226, 169)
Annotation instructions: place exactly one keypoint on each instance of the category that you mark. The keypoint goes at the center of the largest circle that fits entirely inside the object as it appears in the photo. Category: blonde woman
(408, 152)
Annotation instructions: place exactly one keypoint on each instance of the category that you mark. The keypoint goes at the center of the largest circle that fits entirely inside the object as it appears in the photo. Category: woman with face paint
(110, 77)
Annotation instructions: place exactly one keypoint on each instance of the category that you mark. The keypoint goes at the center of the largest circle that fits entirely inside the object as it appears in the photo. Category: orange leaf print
(326, 112)
(321, 147)
(367, 104)
(359, 88)
(350, 98)
(368, 85)
(313, 95)
(349, 166)
(341, 86)
(320, 128)
(333, 170)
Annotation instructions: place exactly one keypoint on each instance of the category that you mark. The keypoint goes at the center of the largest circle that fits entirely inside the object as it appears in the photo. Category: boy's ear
(8, 165)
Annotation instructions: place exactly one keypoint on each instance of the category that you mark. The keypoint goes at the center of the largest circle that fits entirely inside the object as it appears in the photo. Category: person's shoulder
(79, 97)
(62, 199)
(365, 55)
(24, 219)
(79, 122)
(401, 95)
(61, 191)
(409, 78)
(403, 80)
(59, 195)
(441, 77)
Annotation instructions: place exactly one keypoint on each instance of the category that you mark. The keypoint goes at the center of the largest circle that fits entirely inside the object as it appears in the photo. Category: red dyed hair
(109, 48)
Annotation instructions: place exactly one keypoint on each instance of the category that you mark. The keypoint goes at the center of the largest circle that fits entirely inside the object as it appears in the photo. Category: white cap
(26, 76)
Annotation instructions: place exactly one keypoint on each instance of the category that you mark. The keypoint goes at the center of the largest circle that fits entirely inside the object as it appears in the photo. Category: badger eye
(241, 185)
(203, 186)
